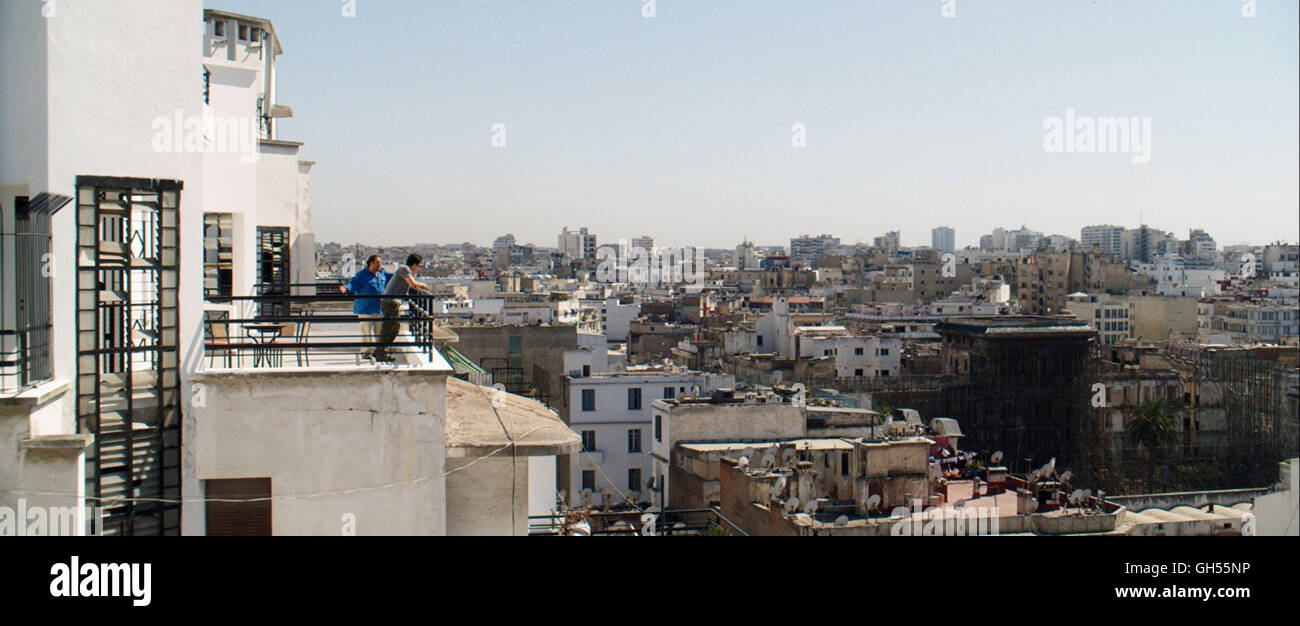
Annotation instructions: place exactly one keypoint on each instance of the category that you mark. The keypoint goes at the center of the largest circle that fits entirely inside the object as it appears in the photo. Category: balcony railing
(25, 358)
(317, 330)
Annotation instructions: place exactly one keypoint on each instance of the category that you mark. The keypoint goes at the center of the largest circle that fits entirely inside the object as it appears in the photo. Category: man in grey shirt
(399, 285)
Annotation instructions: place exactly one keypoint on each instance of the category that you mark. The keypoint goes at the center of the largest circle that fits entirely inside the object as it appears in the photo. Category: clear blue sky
(679, 127)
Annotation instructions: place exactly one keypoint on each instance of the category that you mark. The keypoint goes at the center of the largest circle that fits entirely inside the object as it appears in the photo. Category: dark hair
(413, 260)
(372, 259)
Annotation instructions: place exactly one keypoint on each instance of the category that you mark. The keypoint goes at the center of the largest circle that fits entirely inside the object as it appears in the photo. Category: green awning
(460, 363)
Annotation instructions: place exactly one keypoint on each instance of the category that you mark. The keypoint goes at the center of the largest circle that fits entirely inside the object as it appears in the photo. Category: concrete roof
(475, 427)
(1189, 514)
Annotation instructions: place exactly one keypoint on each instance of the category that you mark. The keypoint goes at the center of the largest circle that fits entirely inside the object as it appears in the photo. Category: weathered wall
(373, 443)
(483, 499)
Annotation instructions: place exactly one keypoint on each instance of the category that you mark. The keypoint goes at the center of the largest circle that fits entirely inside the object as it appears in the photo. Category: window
(589, 479)
(219, 28)
(857, 372)
(634, 479)
(634, 399)
(857, 351)
(588, 399)
(884, 352)
(669, 393)
(516, 345)
(586, 371)
(243, 32)
(239, 507)
(659, 428)
(218, 254)
(760, 340)
(25, 338)
(844, 464)
(634, 440)
(588, 441)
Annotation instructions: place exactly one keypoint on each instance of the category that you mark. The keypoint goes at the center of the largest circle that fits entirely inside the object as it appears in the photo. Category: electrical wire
(299, 496)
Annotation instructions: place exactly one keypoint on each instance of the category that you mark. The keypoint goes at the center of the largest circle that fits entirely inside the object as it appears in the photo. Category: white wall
(317, 431)
(112, 67)
(612, 420)
(1276, 513)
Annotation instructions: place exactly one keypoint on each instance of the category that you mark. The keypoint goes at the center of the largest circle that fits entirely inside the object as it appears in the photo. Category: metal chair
(216, 336)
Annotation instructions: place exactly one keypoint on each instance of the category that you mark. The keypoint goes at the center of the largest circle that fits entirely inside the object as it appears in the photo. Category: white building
(615, 317)
(746, 256)
(612, 413)
(806, 251)
(578, 244)
(1174, 278)
(504, 242)
(1106, 237)
(135, 113)
(1112, 319)
(855, 356)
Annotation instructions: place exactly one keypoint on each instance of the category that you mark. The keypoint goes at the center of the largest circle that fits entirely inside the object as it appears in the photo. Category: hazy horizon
(680, 126)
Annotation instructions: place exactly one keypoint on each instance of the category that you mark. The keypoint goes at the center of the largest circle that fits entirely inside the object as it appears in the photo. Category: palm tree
(1154, 428)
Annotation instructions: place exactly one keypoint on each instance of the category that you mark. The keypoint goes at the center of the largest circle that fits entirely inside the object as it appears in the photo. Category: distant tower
(943, 239)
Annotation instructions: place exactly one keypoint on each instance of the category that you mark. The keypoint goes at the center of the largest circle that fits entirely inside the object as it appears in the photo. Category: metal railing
(318, 329)
(25, 359)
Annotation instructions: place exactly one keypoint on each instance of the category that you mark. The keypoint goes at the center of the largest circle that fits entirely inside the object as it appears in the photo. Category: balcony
(25, 360)
(321, 331)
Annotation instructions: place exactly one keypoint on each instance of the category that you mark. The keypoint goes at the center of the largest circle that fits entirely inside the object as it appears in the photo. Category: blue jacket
(367, 284)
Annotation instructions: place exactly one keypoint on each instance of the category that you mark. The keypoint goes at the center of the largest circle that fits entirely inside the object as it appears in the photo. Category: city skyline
(684, 125)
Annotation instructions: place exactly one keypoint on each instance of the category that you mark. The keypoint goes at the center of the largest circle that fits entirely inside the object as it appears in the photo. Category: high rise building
(503, 242)
(805, 250)
(579, 244)
(943, 239)
(1107, 237)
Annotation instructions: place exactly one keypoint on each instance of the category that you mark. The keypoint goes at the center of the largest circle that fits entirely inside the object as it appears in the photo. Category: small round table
(264, 336)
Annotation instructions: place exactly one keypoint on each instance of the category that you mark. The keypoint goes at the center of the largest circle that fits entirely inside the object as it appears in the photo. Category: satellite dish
(1087, 493)
(842, 521)
(743, 462)
(997, 457)
(790, 505)
(580, 529)
(873, 501)
(1076, 496)
(810, 507)
(1065, 477)
(564, 495)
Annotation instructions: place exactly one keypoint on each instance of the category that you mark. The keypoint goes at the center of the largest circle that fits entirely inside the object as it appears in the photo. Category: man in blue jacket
(371, 281)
